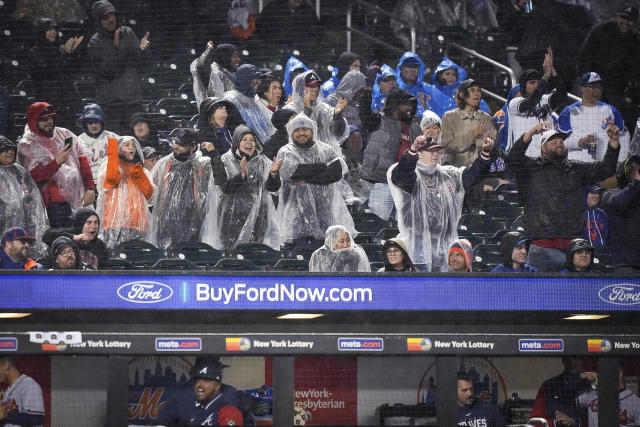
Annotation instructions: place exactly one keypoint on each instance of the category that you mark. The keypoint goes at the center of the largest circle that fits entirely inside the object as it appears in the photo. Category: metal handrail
(371, 6)
(261, 6)
(486, 59)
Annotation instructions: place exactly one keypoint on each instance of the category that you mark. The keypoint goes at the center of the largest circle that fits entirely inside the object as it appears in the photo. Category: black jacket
(552, 192)
(623, 207)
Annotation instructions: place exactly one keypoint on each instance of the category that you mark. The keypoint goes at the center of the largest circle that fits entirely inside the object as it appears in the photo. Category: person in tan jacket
(465, 128)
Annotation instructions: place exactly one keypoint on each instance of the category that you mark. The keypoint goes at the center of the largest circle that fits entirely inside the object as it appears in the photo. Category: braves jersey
(519, 123)
(480, 415)
(184, 409)
(629, 406)
(582, 121)
(23, 397)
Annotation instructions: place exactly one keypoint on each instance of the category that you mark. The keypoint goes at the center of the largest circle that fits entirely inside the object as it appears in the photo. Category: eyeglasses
(393, 251)
(67, 252)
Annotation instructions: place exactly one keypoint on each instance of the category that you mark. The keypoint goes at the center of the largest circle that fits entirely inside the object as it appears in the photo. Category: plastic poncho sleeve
(112, 177)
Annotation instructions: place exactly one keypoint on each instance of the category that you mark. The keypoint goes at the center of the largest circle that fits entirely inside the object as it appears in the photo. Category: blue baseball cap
(16, 233)
(591, 78)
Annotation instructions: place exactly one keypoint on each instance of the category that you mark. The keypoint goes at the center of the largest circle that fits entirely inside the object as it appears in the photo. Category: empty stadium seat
(303, 246)
(487, 227)
(198, 253)
(373, 250)
(258, 253)
(386, 234)
(290, 265)
(375, 266)
(363, 238)
(367, 222)
(235, 264)
(505, 213)
(120, 264)
(139, 253)
(174, 264)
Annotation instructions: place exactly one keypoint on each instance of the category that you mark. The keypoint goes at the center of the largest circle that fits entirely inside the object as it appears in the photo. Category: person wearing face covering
(254, 113)
(91, 249)
(182, 181)
(310, 199)
(125, 191)
(21, 204)
(307, 98)
(339, 253)
(95, 135)
(428, 197)
(240, 210)
(551, 188)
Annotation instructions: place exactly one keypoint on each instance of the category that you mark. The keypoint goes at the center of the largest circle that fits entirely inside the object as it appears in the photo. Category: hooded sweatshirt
(279, 139)
(396, 243)
(596, 229)
(57, 246)
(501, 117)
(293, 64)
(117, 80)
(64, 183)
(452, 90)
(436, 100)
(339, 70)
(509, 241)
(350, 85)
(94, 253)
(95, 146)
(220, 137)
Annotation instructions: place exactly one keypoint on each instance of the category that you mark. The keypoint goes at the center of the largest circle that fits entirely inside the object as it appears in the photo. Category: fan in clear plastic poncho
(310, 199)
(428, 197)
(339, 253)
(349, 88)
(307, 99)
(213, 72)
(242, 210)
(180, 202)
(255, 114)
(21, 204)
(125, 190)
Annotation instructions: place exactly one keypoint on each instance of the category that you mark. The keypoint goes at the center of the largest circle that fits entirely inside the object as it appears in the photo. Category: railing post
(412, 28)
(318, 8)
(349, 26)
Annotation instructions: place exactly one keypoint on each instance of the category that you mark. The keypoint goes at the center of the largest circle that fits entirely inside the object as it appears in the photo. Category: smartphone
(68, 142)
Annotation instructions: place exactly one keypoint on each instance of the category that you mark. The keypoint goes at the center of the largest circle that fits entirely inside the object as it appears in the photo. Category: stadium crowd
(373, 168)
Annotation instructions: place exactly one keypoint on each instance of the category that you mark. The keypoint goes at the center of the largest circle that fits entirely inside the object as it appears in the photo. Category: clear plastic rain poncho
(123, 208)
(255, 114)
(180, 199)
(327, 259)
(21, 205)
(352, 82)
(35, 150)
(428, 217)
(218, 83)
(248, 214)
(320, 112)
(309, 209)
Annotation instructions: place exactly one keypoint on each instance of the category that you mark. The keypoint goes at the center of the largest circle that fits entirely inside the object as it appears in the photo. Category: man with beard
(182, 180)
(53, 156)
(551, 188)
(14, 250)
(428, 197)
(386, 146)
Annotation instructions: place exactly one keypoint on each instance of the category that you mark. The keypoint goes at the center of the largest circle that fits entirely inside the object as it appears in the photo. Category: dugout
(385, 351)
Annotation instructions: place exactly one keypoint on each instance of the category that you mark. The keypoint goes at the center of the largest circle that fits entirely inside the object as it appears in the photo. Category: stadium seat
(487, 227)
(373, 250)
(290, 265)
(173, 106)
(367, 222)
(45, 262)
(303, 246)
(386, 234)
(487, 257)
(198, 253)
(375, 266)
(139, 253)
(258, 253)
(235, 264)
(505, 213)
(120, 264)
(472, 217)
(174, 264)
(472, 238)
(480, 266)
(363, 238)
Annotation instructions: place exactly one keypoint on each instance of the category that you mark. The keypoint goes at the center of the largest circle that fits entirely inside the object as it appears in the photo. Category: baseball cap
(432, 144)
(229, 416)
(16, 233)
(47, 112)
(588, 79)
(207, 371)
(551, 134)
(7, 144)
(311, 79)
(629, 12)
(466, 84)
(596, 188)
(184, 137)
(149, 152)
(353, 128)
(410, 61)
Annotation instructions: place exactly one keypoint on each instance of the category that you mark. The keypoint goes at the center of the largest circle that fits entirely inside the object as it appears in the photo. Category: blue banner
(28, 291)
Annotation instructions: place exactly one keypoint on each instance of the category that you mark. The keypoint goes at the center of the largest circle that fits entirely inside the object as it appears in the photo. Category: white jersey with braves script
(629, 407)
(519, 123)
(23, 396)
(582, 121)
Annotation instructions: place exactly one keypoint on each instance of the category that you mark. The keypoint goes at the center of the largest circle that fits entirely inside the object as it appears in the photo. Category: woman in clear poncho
(307, 99)
(125, 189)
(21, 204)
(213, 72)
(241, 209)
(349, 88)
(339, 253)
(310, 200)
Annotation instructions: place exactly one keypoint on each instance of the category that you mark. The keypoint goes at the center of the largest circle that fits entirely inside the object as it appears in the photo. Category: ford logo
(621, 294)
(145, 292)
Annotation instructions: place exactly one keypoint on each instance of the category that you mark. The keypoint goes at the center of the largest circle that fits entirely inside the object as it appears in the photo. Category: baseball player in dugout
(21, 404)
(208, 403)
